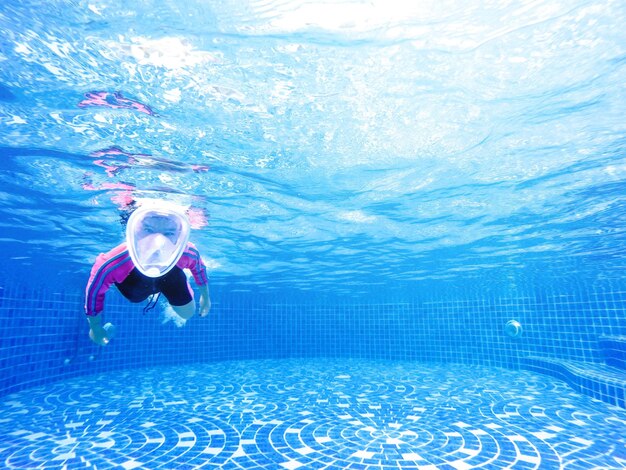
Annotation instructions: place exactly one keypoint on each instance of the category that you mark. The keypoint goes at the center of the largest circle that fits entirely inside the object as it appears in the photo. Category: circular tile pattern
(310, 414)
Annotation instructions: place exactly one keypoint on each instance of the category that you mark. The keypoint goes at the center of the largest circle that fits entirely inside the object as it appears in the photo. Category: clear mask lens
(156, 239)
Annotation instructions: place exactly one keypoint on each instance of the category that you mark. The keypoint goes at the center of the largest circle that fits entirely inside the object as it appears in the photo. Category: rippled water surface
(338, 146)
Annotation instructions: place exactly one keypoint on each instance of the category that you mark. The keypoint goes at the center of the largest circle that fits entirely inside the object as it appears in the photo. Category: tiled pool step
(614, 350)
(600, 381)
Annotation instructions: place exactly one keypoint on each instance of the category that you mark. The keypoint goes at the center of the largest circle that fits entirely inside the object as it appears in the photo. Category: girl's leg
(185, 311)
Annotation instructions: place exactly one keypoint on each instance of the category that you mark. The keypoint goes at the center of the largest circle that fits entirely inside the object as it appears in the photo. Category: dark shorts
(173, 285)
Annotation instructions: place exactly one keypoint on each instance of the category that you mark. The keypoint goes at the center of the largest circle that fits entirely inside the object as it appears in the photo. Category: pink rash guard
(116, 265)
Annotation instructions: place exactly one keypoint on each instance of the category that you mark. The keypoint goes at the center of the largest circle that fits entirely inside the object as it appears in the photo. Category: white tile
(461, 465)
(212, 450)
(533, 459)
(394, 441)
(291, 464)
(304, 450)
(129, 465)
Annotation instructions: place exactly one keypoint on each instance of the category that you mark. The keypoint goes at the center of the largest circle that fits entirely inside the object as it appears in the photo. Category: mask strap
(152, 302)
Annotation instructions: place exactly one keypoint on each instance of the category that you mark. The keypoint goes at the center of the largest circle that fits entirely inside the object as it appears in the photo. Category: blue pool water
(377, 189)
(333, 414)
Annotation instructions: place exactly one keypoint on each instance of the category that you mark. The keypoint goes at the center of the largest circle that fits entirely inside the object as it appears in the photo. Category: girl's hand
(99, 336)
(102, 334)
(205, 305)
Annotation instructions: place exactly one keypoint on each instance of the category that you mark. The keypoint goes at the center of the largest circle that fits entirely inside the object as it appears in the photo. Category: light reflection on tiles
(290, 414)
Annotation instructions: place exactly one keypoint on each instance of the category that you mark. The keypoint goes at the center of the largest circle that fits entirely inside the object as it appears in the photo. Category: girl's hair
(126, 212)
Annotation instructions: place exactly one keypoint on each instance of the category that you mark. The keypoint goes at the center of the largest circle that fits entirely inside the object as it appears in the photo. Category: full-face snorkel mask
(156, 238)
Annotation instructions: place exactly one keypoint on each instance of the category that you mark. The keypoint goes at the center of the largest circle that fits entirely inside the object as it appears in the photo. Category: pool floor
(309, 414)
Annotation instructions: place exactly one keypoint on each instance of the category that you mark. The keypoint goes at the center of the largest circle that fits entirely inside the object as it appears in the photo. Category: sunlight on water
(329, 145)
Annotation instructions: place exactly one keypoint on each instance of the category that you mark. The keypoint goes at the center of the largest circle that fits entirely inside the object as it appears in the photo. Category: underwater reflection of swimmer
(150, 261)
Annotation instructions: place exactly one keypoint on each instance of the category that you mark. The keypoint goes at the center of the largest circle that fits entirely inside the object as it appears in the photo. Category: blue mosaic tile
(310, 414)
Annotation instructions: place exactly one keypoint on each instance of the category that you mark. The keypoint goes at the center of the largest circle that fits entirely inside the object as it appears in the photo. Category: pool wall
(44, 333)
